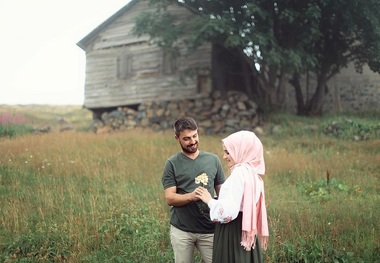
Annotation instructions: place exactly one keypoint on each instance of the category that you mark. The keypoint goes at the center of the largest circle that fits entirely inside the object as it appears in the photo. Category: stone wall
(354, 92)
(215, 115)
(348, 91)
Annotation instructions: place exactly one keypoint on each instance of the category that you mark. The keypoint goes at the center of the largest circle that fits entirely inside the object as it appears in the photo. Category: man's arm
(174, 199)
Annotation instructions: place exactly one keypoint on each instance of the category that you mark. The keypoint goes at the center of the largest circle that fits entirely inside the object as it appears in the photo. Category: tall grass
(81, 197)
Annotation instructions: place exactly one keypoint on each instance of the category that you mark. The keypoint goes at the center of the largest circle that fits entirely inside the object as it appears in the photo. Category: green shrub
(353, 129)
(324, 190)
(346, 127)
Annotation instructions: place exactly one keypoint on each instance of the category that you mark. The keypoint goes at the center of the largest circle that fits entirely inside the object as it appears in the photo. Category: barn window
(124, 66)
(169, 65)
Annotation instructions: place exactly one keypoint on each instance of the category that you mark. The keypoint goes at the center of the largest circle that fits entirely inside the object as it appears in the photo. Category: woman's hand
(203, 194)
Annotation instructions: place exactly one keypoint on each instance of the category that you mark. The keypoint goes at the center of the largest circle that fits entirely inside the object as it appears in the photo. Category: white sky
(40, 62)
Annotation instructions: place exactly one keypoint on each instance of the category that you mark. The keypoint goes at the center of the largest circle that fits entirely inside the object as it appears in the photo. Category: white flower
(202, 178)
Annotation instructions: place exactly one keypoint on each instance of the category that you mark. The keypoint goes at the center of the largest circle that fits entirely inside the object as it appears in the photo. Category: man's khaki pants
(183, 244)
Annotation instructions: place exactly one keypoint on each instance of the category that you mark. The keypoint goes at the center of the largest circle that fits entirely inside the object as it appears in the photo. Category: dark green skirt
(227, 248)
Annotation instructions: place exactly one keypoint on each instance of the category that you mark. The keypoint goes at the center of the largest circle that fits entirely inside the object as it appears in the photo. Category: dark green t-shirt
(181, 171)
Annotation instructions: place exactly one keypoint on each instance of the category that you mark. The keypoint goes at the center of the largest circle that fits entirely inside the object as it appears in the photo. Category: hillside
(57, 117)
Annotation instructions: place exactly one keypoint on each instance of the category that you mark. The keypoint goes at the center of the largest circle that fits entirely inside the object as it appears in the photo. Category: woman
(240, 211)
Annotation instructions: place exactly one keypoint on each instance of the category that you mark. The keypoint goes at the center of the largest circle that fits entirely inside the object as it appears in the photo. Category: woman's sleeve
(227, 207)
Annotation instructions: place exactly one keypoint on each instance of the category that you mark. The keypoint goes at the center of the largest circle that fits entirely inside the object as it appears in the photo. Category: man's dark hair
(184, 123)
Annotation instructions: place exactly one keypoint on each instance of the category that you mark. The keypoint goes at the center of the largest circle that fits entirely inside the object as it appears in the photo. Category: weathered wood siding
(122, 69)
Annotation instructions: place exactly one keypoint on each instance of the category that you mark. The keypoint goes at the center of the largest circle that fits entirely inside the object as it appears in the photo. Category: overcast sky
(40, 62)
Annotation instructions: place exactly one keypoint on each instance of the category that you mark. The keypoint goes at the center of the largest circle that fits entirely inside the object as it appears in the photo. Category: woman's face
(228, 158)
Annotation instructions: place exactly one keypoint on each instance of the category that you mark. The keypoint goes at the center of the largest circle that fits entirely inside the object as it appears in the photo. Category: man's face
(188, 139)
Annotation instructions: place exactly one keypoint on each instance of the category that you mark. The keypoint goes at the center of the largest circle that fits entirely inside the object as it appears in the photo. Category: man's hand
(174, 199)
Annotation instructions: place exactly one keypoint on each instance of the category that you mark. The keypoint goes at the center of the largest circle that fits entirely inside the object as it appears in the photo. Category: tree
(346, 32)
(277, 41)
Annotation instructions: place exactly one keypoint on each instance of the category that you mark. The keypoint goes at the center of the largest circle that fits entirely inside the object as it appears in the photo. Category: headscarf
(246, 150)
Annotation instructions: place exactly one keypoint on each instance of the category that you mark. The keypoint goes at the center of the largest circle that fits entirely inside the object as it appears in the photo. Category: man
(190, 223)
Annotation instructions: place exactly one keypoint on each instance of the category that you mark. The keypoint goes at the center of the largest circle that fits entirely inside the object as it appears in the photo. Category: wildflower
(202, 178)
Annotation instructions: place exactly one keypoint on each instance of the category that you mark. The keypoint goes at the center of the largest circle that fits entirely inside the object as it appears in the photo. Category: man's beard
(193, 148)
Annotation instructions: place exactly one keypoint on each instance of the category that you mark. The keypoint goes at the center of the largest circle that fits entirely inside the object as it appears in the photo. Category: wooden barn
(122, 69)
(125, 70)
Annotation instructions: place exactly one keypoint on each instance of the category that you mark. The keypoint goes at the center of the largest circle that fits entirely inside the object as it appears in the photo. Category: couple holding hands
(225, 219)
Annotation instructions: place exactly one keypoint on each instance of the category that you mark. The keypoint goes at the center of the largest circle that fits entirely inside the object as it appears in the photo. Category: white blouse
(228, 205)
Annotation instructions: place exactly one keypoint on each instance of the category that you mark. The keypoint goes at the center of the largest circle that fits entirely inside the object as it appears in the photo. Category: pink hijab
(247, 150)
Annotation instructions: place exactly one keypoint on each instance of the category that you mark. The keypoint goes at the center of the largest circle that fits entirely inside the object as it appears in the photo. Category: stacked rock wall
(214, 115)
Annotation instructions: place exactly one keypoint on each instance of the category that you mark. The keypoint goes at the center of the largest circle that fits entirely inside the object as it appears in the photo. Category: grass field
(82, 197)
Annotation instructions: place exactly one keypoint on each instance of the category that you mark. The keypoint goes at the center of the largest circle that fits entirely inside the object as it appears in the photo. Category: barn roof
(83, 43)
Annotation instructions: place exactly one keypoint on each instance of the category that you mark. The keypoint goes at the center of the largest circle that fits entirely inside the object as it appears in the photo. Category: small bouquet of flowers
(203, 180)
